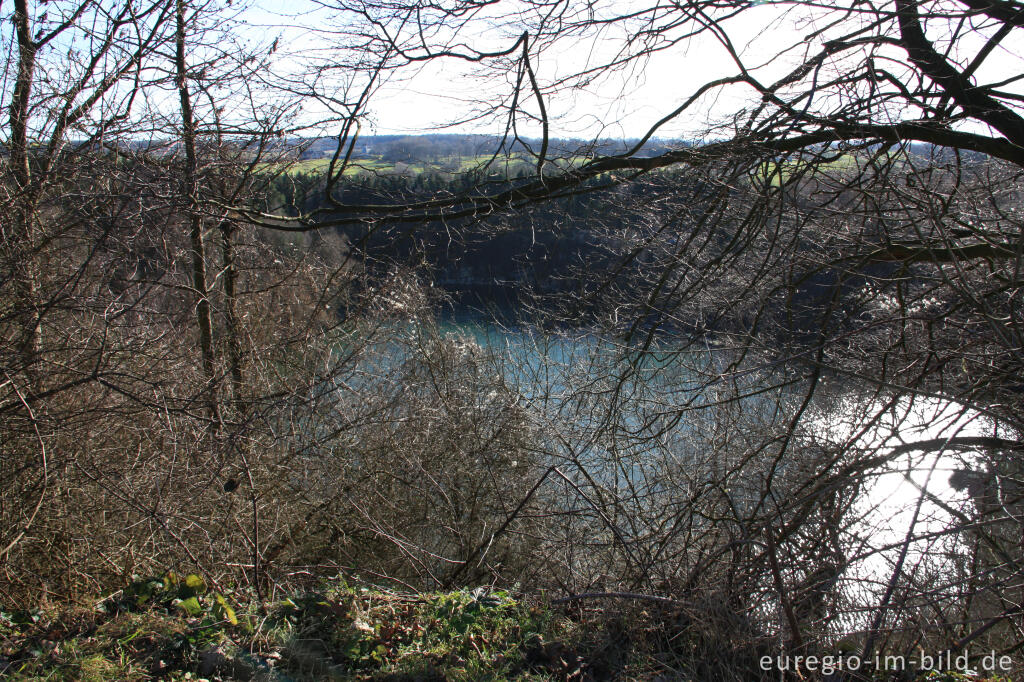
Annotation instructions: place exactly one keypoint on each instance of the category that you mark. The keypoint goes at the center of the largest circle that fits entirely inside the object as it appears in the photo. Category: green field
(451, 166)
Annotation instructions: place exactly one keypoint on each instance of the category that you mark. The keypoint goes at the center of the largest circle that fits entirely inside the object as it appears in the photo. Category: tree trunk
(24, 237)
(188, 135)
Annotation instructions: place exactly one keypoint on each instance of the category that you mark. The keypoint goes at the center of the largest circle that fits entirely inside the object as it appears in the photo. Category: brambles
(207, 361)
(340, 633)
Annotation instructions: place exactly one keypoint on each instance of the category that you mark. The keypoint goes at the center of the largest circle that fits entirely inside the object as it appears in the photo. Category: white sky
(624, 104)
(616, 105)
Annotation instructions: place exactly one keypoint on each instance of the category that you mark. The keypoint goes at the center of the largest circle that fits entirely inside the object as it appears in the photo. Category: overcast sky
(624, 104)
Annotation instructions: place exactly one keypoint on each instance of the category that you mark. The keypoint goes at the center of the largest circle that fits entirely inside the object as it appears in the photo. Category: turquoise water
(653, 428)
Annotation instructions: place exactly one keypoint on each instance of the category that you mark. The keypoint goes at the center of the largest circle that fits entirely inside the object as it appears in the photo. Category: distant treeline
(497, 258)
(484, 259)
(426, 148)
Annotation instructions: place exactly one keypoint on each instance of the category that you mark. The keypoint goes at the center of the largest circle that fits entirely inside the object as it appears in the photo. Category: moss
(96, 668)
(343, 632)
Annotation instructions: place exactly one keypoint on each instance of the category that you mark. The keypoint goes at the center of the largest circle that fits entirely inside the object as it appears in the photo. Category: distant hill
(428, 148)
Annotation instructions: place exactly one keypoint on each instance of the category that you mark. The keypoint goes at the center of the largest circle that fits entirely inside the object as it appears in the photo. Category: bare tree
(768, 308)
(121, 442)
(852, 230)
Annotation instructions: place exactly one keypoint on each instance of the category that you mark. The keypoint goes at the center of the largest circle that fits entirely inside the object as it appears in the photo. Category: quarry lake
(653, 426)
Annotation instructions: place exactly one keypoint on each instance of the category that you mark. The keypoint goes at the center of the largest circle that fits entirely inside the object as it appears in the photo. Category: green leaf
(190, 606)
(223, 610)
(193, 585)
(143, 590)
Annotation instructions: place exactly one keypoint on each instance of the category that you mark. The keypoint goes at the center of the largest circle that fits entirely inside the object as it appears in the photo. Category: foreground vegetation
(215, 361)
(163, 628)
(177, 628)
